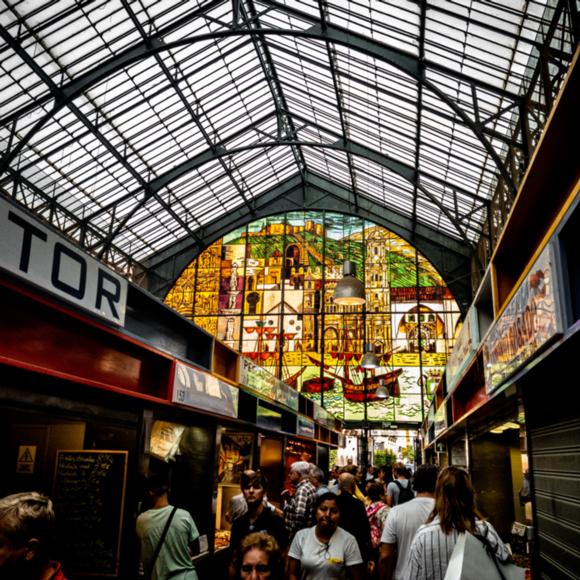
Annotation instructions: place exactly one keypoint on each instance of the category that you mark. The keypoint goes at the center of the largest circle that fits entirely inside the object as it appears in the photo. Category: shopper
(399, 490)
(325, 551)
(238, 506)
(166, 534)
(454, 512)
(403, 522)
(354, 516)
(258, 518)
(377, 513)
(355, 471)
(318, 480)
(26, 536)
(259, 558)
(299, 510)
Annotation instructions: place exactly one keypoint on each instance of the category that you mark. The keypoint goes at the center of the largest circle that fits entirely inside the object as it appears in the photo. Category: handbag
(473, 558)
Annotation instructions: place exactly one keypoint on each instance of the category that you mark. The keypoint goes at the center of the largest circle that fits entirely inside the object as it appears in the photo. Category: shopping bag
(471, 560)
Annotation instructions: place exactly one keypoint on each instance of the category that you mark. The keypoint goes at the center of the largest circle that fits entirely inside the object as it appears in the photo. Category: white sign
(32, 251)
(201, 390)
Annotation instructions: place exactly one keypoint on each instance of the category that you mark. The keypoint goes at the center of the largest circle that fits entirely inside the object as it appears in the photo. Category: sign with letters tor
(34, 252)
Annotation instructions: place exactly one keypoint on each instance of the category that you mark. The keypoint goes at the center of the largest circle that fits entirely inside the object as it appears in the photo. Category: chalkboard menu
(88, 496)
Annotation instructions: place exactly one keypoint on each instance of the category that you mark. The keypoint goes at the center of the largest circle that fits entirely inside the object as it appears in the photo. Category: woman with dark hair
(259, 558)
(377, 513)
(455, 512)
(325, 551)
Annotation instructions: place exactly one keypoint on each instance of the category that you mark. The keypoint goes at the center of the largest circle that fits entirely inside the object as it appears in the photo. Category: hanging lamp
(369, 360)
(349, 289)
(382, 392)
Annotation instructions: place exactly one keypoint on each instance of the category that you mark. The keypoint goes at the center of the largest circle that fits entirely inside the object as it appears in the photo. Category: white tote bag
(470, 561)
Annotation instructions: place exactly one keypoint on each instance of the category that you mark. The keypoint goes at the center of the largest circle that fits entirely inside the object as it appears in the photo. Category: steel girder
(312, 192)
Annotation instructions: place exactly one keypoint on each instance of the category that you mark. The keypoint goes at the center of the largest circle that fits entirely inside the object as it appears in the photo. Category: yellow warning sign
(26, 458)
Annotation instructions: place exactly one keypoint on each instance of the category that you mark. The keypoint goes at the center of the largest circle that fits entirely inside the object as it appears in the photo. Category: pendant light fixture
(349, 289)
(382, 392)
(369, 360)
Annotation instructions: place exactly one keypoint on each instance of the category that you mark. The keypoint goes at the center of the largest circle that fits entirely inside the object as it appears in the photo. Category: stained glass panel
(267, 290)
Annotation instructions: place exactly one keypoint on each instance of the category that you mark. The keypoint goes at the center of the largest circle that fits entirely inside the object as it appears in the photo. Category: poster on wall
(165, 439)
(234, 456)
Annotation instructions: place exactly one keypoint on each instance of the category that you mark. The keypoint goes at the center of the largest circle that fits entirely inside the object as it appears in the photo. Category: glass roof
(131, 125)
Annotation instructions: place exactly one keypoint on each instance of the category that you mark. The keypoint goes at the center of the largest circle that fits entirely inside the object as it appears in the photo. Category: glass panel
(267, 289)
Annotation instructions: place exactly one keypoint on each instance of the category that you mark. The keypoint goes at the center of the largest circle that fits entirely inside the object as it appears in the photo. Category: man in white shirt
(402, 523)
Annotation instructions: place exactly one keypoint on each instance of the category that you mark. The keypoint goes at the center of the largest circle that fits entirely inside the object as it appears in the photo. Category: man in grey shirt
(402, 523)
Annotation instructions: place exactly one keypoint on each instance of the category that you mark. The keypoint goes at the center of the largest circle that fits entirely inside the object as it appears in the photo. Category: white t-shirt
(403, 521)
(319, 561)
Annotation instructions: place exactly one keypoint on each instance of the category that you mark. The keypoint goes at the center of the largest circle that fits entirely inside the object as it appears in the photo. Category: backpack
(376, 531)
(405, 493)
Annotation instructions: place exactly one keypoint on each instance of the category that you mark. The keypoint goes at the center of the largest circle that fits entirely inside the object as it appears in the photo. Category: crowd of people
(385, 524)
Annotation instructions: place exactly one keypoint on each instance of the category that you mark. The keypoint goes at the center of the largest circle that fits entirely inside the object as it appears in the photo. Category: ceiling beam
(153, 44)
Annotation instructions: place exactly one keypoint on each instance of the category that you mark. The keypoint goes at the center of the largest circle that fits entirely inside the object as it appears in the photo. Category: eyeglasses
(259, 568)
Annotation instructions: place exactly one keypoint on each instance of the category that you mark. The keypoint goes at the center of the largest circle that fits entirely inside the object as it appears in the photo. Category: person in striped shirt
(455, 512)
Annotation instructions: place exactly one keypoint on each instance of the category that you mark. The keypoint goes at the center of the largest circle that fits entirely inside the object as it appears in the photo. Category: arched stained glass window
(266, 289)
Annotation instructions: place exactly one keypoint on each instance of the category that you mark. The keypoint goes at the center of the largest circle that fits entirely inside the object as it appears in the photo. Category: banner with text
(34, 252)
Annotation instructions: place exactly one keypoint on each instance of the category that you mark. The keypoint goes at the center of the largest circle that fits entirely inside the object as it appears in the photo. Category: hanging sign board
(267, 385)
(464, 349)
(323, 417)
(201, 390)
(35, 253)
(305, 427)
(529, 321)
(440, 422)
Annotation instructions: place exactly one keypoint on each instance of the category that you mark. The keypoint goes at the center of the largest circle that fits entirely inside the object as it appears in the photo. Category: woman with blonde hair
(455, 512)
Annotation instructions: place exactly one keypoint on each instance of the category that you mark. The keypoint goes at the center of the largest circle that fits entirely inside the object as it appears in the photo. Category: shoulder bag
(162, 538)
(473, 558)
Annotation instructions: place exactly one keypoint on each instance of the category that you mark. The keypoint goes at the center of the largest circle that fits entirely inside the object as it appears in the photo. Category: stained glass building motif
(266, 290)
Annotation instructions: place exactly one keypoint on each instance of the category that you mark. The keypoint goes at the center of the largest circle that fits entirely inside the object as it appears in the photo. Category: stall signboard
(464, 349)
(201, 390)
(528, 322)
(305, 427)
(440, 422)
(267, 385)
(34, 252)
(268, 418)
(430, 421)
(323, 417)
